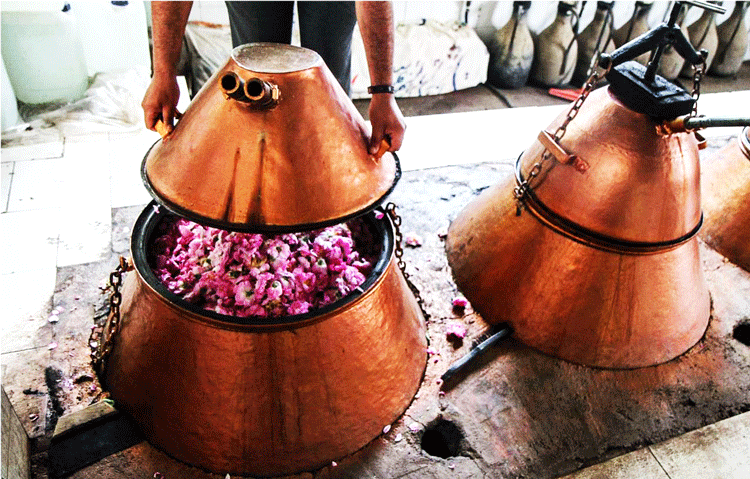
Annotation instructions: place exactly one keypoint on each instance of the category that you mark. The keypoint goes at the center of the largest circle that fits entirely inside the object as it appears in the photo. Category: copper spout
(261, 93)
(233, 87)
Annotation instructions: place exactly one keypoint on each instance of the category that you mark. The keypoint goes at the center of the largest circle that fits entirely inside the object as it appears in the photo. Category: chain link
(521, 190)
(698, 71)
(390, 208)
(101, 344)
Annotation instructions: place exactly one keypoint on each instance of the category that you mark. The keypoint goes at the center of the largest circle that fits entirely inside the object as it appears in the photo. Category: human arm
(376, 25)
(160, 102)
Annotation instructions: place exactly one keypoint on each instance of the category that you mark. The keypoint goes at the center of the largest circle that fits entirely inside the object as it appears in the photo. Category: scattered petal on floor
(398, 437)
(413, 240)
(455, 329)
(386, 429)
(460, 302)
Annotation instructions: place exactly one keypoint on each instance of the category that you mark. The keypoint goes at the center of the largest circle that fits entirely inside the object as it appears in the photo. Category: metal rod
(703, 122)
(711, 7)
(462, 363)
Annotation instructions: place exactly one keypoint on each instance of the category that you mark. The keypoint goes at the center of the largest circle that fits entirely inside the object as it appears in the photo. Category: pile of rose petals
(249, 274)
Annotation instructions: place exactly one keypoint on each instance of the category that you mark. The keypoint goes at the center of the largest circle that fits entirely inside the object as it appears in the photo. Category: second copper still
(271, 143)
(726, 193)
(590, 251)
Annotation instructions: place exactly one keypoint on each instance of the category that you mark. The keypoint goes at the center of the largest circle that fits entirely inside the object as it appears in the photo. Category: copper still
(270, 143)
(590, 252)
(726, 199)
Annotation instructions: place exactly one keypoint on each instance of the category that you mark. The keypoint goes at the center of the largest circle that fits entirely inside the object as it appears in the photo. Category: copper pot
(602, 266)
(726, 193)
(268, 132)
(265, 397)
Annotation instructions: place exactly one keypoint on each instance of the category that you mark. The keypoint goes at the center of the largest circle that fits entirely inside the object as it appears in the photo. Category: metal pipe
(689, 123)
(233, 87)
(504, 331)
(261, 93)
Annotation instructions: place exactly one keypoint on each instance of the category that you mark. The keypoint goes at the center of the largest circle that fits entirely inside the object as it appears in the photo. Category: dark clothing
(325, 27)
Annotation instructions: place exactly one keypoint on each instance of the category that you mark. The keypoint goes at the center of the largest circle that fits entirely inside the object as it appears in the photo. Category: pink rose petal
(455, 329)
(413, 240)
(460, 302)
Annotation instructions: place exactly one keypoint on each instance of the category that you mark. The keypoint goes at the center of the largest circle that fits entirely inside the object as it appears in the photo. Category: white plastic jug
(10, 108)
(114, 35)
(42, 52)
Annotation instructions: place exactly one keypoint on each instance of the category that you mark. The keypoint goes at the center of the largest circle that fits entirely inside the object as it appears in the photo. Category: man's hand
(160, 102)
(387, 122)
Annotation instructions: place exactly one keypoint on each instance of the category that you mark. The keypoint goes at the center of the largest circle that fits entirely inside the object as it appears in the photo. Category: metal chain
(390, 208)
(99, 354)
(698, 71)
(520, 191)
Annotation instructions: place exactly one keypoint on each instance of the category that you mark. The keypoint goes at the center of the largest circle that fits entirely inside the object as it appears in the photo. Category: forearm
(169, 20)
(375, 21)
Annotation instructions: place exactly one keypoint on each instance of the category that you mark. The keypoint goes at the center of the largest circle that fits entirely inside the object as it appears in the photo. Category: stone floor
(69, 203)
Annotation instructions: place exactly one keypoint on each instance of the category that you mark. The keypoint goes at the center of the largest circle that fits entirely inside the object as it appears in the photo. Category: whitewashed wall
(484, 16)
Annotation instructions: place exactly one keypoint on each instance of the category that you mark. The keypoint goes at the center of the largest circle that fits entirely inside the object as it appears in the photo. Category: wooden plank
(15, 444)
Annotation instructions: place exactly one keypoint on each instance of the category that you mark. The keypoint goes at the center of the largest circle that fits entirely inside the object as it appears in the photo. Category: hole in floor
(742, 333)
(442, 439)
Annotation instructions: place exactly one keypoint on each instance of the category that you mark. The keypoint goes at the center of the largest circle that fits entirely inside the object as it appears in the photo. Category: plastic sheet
(209, 45)
(429, 59)
(112, 102)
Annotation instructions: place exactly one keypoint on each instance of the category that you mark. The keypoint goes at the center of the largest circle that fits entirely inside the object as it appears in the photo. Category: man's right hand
(160, 101)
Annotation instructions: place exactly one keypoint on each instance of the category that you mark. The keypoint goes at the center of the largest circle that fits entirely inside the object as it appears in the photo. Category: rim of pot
(152, 216)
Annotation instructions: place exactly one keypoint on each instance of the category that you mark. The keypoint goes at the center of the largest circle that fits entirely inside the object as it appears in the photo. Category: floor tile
(26, 298)
(85, 237)
(36, 185)
(7, 179)
(127, 154)
(718, 451)
(472, 137)
(29, 239)
(33, 145)
(637, 464)
(80, 177)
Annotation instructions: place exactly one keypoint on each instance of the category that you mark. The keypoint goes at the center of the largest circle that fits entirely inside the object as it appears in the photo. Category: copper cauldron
(271, 143)
(590, 252)
(601, 268)
(265, 397)
(726, 196)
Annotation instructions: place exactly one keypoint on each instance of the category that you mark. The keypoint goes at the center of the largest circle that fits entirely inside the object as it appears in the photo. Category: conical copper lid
(270, 143)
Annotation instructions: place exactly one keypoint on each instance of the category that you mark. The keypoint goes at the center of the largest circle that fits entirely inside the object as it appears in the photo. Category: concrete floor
(68, 201)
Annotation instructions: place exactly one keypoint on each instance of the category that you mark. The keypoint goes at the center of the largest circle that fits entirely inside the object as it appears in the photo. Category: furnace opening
(742, 333)
(443, 439)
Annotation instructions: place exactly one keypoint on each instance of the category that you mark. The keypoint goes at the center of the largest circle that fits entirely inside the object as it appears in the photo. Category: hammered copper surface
(302, 161)
(726, 194)
(242, 400)
(573, 301)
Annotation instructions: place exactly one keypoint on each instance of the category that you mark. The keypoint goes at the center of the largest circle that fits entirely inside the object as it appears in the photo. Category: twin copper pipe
(255, 92)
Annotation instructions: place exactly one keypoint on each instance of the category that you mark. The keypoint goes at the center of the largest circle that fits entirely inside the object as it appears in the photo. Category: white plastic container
(114, 34)
(10, 108)
(42, 52)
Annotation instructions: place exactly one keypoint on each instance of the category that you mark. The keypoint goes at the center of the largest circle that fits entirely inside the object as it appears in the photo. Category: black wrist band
(380, 89)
